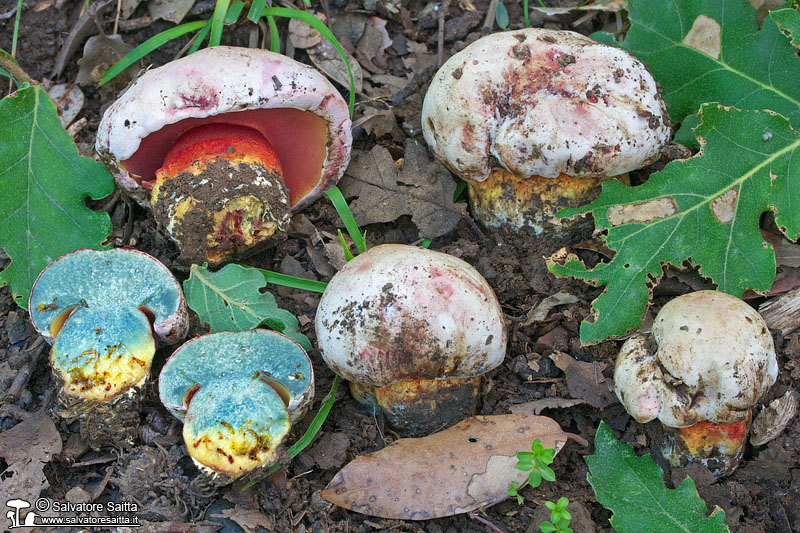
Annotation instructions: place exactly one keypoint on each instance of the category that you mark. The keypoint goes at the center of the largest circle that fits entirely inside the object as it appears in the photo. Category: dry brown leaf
(26, 448)
(535, 407)
(453, 471)
(302, 35)
(422, 189)
(585, 380)
(69, 99)
(171, 10)
(99, 53)
(249, 520)
(540, 312)
(326, 58)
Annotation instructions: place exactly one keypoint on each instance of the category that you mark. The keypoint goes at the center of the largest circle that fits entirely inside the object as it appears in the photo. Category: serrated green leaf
(788, 20)
(43, 187)
(633, 489)
(705, 209)
(752, 70)
(230, 300)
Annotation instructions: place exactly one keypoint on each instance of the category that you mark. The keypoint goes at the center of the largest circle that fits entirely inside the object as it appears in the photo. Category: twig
(475, 516)
(15, 70)
(440, 37)
(488, 22)
(116, 17)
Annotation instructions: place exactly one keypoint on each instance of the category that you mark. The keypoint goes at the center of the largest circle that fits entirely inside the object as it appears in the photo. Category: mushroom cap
(237, 357)
(96, 308)
(544, 102)
(400, 312)
(714, 361)
(214, 81)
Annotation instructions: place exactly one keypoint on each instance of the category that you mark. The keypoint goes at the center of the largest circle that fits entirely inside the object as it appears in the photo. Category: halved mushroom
(412, 330)
(224, 144)
(238, 394)
(535, 119)
(710, 361)
(101, 311)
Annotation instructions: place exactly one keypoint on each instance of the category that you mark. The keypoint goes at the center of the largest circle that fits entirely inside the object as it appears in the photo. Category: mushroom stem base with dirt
(505, 200)
(718, 447)
(419, 407)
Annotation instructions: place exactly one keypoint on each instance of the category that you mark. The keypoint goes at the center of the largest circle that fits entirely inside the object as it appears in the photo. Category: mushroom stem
(504, 199)
(718, 447)
(220, 191)
(419, 407)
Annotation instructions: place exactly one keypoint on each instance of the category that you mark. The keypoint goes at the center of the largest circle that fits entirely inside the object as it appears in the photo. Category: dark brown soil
(763, 495)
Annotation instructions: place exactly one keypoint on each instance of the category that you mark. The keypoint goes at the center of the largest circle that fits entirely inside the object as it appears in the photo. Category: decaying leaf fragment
(422, 189)
(454, 471)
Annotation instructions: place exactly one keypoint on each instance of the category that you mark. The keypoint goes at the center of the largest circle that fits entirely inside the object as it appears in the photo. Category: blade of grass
(274, 38)
(218, 21)
(315, 23)
(426, 242)
(255, 10)
(310, 433)
(527, 14)
(199, 38)
(291, 281)
(233, 12)
(348, 255)
(459, 192)
(15, 37)
(340, 204)
(148, 46)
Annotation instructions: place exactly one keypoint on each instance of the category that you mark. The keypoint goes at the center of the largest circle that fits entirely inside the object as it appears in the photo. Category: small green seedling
(559, 517)
(537, 461)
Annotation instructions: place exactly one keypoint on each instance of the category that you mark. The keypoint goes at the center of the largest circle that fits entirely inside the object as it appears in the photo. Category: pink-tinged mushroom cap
(400, 312)
(713, 360)
(544, 103)
(289, 103)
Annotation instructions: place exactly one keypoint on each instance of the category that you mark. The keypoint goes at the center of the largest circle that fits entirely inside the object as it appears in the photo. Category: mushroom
(238, 393)
(535, 119)
(412, 330)
(709, 361)
(224, 144)
(102, 312)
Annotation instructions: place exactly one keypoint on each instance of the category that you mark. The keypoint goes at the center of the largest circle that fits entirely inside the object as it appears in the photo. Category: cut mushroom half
(223, 144)
(412, 330)
(238, 394)
(535, 119)
(709, 361)
(103, 311)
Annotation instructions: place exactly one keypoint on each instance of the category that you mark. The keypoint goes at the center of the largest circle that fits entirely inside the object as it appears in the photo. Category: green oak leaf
(633, 489)
(788, 20)
(712, 51)
(231, 300)
(43, 187)
(704, 210)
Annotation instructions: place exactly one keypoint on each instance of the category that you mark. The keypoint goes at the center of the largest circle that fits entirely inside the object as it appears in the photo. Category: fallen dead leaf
(302, 35)
(774, 418)
(422, 189)
(585, 380)
(453, 471)
(536, 407)
(171, 10)
(99, 53)
(69, 99)
(540, 312)
(250, 520)
(26, 448)
(326, 58)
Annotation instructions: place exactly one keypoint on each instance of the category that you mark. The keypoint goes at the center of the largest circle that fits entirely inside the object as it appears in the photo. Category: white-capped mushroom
(514, 110)
(412, 330)
(709, 361)
(224, 143)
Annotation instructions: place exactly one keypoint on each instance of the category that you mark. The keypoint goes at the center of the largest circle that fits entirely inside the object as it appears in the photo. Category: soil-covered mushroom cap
(299, 112)
(97, 308)
(399, 312)
(713, 360)
(238, 393)
(544, 102)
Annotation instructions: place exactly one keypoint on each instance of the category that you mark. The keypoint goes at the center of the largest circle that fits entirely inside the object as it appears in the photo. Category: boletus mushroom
(102, 312)
(412, 330)
(708, 361)
(238, 394)
(535, 119)
(224, 144)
